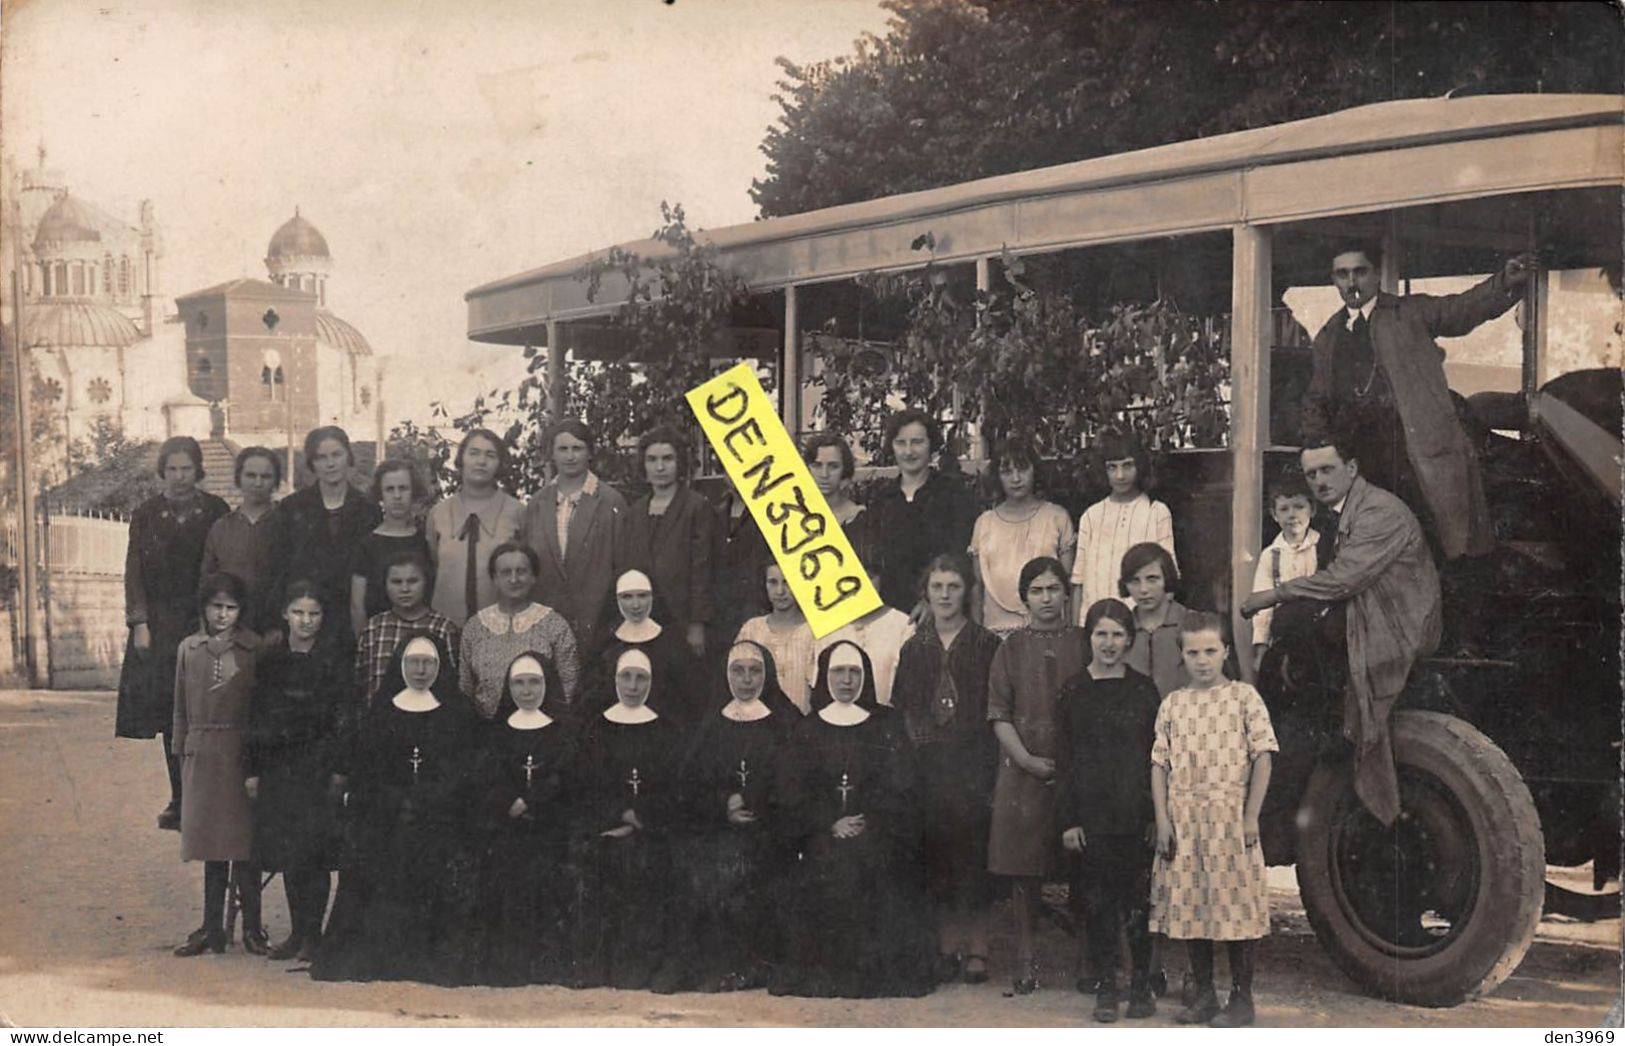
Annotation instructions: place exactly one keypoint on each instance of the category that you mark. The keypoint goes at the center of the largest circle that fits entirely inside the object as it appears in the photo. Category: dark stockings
(1241, 965)
(1201, 957)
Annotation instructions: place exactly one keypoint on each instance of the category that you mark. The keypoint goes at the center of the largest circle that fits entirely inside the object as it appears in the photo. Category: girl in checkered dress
(1210, 767)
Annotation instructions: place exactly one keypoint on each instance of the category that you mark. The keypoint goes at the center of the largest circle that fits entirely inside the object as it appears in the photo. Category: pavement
(93, 897)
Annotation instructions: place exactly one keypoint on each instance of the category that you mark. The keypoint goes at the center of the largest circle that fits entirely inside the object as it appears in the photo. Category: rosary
(743, 773)
(844, 787)
(416, 761)
(634, 781)
(530, 767)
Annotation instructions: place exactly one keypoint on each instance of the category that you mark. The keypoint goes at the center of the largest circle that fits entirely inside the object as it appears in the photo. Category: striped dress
(1106, 530)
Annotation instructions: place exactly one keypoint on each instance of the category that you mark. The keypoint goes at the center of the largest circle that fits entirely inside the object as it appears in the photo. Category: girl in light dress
(1111, 526)
(1210, 768)
(1013, 532)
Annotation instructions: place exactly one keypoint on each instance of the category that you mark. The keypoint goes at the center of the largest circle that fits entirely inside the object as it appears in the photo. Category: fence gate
(83, 595)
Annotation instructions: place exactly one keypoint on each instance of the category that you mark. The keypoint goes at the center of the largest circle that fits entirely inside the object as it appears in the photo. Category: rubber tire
(1503, 915)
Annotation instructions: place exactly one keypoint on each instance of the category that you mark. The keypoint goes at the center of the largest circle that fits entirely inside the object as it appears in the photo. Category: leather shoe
(255, 941)
(169, 819)
(288, 949)
(1202, 1009)
(1237, 1013)
(202, 940)
(1027, 983)
(1106, 1003)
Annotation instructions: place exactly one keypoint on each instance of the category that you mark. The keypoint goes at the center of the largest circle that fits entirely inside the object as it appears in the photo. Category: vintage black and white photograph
(1176, 582)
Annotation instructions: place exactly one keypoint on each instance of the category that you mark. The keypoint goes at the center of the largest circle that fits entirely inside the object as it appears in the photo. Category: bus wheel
(1443, 904)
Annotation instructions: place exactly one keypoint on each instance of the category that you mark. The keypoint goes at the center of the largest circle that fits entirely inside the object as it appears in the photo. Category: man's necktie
(471, 581)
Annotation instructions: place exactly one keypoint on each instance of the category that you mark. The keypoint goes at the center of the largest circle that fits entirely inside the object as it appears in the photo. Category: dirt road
(93, 897)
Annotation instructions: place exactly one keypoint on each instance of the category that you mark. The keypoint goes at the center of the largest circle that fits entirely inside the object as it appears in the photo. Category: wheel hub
(1408, 888)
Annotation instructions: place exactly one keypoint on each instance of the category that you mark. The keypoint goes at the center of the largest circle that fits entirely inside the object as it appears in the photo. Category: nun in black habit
(629, 625)
(630, 754)
(522, 817)
(404, 914)
(725, 926)
(858, 919)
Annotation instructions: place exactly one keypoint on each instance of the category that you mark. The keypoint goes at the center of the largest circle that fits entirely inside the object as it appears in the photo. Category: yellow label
(739, 419)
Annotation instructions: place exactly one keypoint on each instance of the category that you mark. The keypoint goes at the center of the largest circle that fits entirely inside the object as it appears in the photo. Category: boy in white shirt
(1290, 555)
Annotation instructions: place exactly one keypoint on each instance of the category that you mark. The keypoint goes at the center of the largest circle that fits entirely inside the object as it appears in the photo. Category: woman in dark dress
(319, 528)
(297, 720)
(406, 915)
(857, 919)
(526, 769)
(726, 924)
(161, 573)
(398, 488)
(675, 694)
(629, 757)
(941, 690)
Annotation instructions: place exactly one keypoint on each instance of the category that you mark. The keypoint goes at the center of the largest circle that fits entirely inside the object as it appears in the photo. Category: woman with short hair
(462, 529)
(319, 527)
(668, 536)
(512, 625)
(398, 489)
(161, 572)
(240, 541)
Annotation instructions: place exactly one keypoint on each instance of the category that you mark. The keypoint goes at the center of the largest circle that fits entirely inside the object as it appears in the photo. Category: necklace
(998, 510)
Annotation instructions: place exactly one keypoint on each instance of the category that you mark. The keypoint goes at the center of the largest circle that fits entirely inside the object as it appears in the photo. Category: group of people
(550, 743)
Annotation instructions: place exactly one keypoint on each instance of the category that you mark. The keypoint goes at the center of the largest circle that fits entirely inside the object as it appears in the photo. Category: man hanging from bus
(1379, 377)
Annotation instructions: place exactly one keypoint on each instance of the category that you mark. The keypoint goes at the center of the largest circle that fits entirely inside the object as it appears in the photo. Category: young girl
(1012, 532)
(1207, 785)
(398, 488)
(1023, 687)
(942, 693)
(302, 701)
(784, 631)
(214, 675)
(1124, 518)
(1149, 582)
(1108, 714)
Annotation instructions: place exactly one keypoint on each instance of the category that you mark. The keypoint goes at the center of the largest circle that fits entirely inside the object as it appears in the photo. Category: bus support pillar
(555, 371)
(1250, 337)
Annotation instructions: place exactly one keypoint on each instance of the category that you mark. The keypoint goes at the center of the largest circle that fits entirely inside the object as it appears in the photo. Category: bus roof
(1342, 163)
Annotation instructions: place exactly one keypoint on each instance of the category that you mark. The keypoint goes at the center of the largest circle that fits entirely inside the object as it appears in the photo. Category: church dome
(297, 239)
(341, 334)
(77, 324)
(66, 222)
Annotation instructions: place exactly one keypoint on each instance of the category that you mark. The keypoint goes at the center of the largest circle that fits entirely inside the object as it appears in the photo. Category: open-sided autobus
(1510, 761)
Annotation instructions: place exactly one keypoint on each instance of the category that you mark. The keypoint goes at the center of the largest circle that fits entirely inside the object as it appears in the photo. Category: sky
(435, 145)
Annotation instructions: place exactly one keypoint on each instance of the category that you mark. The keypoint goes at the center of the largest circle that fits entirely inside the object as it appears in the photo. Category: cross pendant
(416, 761)
(530, 768)
(635, 781)
(743, 773)
(844, 787)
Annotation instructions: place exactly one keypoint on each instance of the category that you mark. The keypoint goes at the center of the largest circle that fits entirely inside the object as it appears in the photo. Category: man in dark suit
(1379, 377)
(1382, 582)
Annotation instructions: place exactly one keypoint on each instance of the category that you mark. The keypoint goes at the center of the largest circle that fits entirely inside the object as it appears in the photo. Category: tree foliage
(1024, 360)
(964, 89)
(675, 317)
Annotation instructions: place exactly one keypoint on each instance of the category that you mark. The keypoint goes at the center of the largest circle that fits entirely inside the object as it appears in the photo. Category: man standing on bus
(1379, 376)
